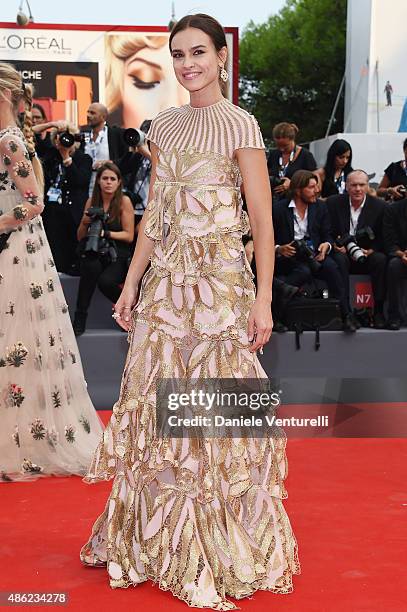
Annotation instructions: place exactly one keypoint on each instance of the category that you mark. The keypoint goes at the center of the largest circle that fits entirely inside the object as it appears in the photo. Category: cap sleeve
(153, 133)
(250, 134)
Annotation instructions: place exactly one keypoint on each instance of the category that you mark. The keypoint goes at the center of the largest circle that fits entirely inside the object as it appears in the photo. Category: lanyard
(340, 183)
(58, 179)
(283, 167)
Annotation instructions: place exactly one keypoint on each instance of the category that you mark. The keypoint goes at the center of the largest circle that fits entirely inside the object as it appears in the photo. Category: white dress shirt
(98, 150)
(354, 216)
(300, 225)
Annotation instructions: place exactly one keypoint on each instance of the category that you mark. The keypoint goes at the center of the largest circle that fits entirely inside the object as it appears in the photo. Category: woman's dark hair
(206, 24)
(203, 22)
(40, 108)
(116, 201)
(405, 145)
(337, 148)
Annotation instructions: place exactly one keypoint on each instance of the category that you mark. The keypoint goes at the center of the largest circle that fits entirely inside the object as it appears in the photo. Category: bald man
(103, 143)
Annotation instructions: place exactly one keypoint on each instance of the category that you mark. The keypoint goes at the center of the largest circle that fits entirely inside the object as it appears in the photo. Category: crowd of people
(329, 223)
(96, 180)
(349, 227)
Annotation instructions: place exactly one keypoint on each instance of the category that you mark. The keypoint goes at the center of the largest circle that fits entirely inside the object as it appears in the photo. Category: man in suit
(303, 218)
(349, 213)
(102, 142)
(395, 244)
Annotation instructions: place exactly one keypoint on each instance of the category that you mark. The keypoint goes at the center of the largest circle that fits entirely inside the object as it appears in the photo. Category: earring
(223, 74)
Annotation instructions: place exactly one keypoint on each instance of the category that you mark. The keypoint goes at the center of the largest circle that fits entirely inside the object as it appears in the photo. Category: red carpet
(347, 504)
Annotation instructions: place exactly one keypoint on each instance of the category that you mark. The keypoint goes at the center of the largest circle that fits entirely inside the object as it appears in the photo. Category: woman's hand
(260, 324)
(124, 306)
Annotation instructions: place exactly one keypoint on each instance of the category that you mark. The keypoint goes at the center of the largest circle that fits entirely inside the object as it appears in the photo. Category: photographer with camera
(393, 185)
(106, 233)
(304, 241)
(103, 143)
(287, 158)
(395, 243)
(67, 172)
(357, 223)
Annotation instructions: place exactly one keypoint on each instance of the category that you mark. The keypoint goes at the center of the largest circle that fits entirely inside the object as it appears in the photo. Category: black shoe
(393, 324)
(288, 292)
(356, 322)
(349, 324)
(279, 327)
(379, 321)
(79, 324)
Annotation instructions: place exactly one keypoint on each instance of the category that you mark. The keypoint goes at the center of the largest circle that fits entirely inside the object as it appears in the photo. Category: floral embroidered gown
(48, 423)
(204, 521)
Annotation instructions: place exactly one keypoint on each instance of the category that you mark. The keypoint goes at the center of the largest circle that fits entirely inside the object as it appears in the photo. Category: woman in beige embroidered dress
(47, 422)
(203, 519)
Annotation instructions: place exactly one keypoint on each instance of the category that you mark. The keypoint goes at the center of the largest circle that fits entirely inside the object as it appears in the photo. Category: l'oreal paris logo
(36, 43)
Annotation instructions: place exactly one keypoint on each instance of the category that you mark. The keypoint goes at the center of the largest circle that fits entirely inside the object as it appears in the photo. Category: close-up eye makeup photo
(203, 305)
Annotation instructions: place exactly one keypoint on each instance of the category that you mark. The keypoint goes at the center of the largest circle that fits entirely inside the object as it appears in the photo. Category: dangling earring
(223, 74)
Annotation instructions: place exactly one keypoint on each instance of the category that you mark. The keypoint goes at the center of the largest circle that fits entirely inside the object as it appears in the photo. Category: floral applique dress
(48, 423)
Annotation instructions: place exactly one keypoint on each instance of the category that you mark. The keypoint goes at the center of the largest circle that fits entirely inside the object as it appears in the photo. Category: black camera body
(94, 242)
(275, 181)
(354, 244)
(304, 253)
(67, 139)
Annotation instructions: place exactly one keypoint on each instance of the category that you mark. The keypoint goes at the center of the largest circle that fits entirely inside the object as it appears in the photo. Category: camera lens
(133, 137)
(66, 139)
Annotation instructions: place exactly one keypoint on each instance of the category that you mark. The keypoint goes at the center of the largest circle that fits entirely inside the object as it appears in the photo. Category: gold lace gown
(202, 519)
(48, 423)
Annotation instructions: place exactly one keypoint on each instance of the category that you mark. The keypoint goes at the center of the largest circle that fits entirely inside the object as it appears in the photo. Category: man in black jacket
(350, 214)
(395, 244)
(67, 172)
(303, 220)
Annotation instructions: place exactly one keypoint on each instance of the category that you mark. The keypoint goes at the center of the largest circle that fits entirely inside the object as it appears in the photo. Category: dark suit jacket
(371, 215)
(319, 229)
(74, 181)
(395, 226)
(117, 146)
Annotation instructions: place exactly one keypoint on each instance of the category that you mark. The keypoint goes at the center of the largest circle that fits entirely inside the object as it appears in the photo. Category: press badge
(54, 195)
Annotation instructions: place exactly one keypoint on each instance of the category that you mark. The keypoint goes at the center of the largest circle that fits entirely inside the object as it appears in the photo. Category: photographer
(304, 241)
(67, 172)
(135, 167)
(395, 242)
(393, 185)
(111, 143)
(286, 159)
(357, 221)
(40, 127)
(106, 233)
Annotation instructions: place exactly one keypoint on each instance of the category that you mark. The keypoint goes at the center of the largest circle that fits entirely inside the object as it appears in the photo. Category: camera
(304, 253)
(94, 242)
(354, 244)
(275, 181)
(134, 137)
(67, 139)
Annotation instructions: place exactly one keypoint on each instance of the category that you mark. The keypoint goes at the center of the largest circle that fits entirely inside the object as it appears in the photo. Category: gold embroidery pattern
(202, 518)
